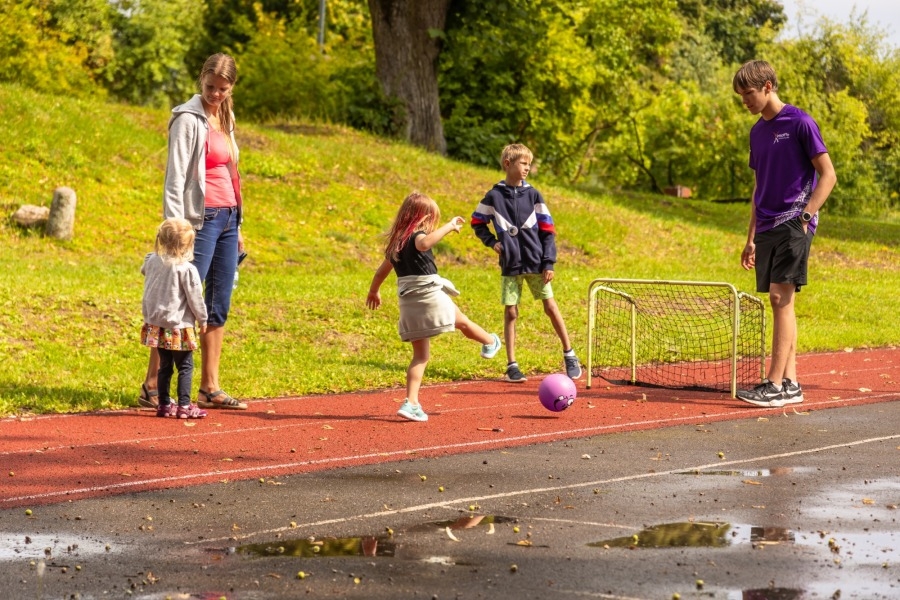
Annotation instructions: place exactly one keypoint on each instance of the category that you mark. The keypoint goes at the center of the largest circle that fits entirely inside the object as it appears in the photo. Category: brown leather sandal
(219, 400)
(148, 398)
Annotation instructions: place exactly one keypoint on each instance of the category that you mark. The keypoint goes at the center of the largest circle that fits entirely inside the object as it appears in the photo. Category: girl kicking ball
(426, 306)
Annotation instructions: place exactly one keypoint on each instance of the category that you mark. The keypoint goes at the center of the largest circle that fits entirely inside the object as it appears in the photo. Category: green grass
(317, 199)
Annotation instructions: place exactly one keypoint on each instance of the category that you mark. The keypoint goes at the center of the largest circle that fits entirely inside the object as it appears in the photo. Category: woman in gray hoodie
(203, 186)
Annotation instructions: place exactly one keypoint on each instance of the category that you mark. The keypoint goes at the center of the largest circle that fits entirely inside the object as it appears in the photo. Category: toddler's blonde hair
(175, 241)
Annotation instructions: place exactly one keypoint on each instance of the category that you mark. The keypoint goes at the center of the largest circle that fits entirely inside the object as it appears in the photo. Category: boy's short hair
(514, 152)
(754, 74)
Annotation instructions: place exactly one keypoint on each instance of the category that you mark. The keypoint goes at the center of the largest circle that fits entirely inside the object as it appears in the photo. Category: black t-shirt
(412, 262)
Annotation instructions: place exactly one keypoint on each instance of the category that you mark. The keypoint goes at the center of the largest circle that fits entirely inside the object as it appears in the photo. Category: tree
(408, 36)
(152, 42)
(734, 25)
(557, 75)
(58, 46)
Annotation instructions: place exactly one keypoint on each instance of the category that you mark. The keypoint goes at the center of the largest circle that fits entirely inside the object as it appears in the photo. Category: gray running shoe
(764, 395)
(573, 367)
(513, 374)
(792, 392)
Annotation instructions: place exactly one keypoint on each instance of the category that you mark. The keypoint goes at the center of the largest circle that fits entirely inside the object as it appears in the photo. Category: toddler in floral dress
(172, 306)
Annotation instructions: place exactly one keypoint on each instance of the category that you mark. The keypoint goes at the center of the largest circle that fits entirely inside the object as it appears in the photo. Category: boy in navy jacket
(525, 239)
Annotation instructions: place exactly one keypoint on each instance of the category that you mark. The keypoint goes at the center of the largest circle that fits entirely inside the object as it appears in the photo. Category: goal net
(675, 334)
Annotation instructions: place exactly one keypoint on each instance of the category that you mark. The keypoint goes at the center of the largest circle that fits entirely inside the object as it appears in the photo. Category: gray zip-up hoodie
(185, 188)
(173, 294)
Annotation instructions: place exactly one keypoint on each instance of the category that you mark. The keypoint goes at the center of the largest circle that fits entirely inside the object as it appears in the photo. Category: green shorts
(511, 288)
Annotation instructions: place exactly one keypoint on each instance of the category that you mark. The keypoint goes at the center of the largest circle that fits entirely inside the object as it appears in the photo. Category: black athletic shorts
(782, 254)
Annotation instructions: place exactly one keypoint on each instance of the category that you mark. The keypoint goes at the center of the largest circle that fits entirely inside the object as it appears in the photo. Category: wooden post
(61, 224)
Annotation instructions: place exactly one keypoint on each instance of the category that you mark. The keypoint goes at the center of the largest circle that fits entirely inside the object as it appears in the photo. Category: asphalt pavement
(789, 505)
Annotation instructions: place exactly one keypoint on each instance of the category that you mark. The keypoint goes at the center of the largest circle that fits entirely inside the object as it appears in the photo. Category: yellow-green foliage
(317, 200)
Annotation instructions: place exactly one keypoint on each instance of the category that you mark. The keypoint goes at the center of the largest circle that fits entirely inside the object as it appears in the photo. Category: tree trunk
(406, 55)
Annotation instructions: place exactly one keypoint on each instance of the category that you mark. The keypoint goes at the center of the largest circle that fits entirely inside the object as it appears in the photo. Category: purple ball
(557, 392)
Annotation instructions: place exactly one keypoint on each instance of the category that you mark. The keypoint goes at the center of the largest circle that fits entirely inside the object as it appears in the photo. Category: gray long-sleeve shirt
(173, 294)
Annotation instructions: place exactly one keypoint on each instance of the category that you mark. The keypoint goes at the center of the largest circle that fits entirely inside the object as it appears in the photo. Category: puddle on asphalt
(16, 546)
(871, 545)
(772, 594)
(377, 546)
(701, 535)
(311, 547)
(470, 521)
(775, 471)
(680, 535)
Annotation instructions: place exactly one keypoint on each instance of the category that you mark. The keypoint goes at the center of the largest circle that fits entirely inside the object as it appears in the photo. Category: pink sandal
(191, 411)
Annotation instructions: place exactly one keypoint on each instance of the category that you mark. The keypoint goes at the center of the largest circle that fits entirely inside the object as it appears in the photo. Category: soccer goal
(675, 334)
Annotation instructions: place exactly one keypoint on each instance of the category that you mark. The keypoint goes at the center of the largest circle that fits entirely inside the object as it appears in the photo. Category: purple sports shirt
(781, 153)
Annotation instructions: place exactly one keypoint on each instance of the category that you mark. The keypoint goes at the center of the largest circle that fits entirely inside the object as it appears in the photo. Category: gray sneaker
(792, 392)
(513, 374)
(573, 366)
(764, 395)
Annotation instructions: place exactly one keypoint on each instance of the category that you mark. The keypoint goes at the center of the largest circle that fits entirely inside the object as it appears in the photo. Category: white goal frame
(608, 286)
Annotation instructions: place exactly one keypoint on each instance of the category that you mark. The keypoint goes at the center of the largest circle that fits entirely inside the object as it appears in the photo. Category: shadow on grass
(37, 399)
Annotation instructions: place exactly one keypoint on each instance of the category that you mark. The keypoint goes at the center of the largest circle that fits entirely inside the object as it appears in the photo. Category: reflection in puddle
(19, 545)
(384, 545)
(868, 546)
(470, 521)
(673, 535)
(771, 535)
(310, 547)
(772, 594)
(746, 473)
(699, 535)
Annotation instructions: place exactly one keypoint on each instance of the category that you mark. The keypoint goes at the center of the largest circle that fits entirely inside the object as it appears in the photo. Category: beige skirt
(426, 308)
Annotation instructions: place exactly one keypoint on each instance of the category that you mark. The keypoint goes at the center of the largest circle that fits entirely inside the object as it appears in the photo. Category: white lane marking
(543, 490)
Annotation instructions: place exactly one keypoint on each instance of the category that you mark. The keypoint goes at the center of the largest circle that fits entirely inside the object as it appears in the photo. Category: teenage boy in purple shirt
(793, 177)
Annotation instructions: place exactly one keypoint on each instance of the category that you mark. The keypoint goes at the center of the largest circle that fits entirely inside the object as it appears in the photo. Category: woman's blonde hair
(175, 241)
(417, 213)
(222, 65)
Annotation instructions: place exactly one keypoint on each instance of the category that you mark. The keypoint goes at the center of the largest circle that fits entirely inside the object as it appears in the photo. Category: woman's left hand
(240, 241)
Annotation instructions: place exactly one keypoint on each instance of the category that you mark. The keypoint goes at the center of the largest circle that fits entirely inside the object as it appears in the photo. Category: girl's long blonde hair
(417, 213)
(175, 241)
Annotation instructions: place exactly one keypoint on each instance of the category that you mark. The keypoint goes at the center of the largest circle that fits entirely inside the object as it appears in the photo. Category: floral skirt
(169, 339)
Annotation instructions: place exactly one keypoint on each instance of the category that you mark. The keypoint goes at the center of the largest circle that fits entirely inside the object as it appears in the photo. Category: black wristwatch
(806, 217)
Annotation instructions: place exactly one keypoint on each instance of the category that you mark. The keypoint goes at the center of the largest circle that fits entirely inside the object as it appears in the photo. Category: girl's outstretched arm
(425, 242)
(373, 300)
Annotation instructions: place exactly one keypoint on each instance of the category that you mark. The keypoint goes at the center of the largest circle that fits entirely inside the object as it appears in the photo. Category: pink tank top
(219, 189)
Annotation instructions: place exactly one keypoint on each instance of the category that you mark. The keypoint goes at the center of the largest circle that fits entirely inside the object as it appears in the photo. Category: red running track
(59, 458)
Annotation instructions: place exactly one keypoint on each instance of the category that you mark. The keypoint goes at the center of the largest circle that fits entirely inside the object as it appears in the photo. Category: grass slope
(317, 199)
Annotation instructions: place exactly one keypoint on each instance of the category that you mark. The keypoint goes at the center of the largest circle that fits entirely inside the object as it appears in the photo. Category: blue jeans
(169, 360)
(215, 256)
